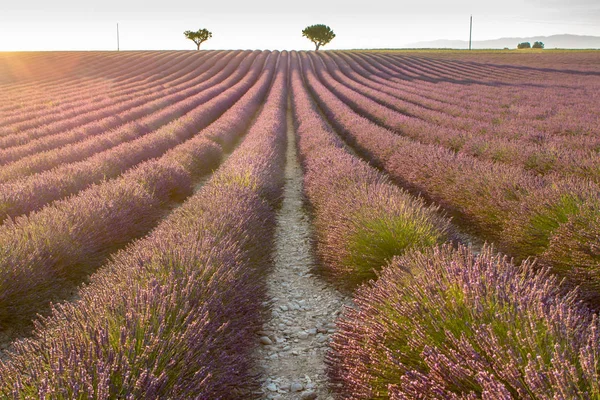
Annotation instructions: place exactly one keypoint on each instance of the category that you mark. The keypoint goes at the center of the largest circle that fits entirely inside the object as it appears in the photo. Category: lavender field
(452, 197)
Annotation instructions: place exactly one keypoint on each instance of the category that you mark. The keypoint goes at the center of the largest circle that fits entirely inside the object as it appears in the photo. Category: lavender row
(361, 219)
(498, 202)
(86, 69)
(552, 101)
(63, 63)
(190, 294)
(473, 118)
(33, 192)
(551, 104)
(508, 140)
(425, 68)
(99, 100)
(505, 103)
(16, 77)
(529, 64)
(446, 323)
(129, 134)
(441, 92)
(445, 97)
(341, 71)
(438, 91)
(86, 95)
(377, 77)
(75, 74)
(103, 133)
(97, 119)
(539, 158)
(62, 250)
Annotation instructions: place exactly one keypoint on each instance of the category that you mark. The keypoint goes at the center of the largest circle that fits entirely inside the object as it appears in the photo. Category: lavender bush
(447, 323)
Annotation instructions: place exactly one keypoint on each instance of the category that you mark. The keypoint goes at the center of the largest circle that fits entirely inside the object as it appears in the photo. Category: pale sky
(270, 24)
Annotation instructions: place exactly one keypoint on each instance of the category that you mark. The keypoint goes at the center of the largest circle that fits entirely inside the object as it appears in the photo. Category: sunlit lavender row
(32, 192)
(97, 71)
(148, 116)
(190, 298)
(76, 106)
(133, 203)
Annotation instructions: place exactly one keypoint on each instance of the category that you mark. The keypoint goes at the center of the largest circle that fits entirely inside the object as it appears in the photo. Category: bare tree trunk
(198, 44)
(318, 45)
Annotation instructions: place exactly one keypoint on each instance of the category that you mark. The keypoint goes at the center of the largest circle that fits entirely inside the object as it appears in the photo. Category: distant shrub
(538, 45)
(524, 45)
(449, 324)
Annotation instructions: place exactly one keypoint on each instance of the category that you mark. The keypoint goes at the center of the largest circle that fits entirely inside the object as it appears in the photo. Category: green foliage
(524, 45)
(319, 34)
(199, 36)
(538, 45)
(574, 251)
(377, 239)
(541, 162)
(543, 220)
(446, 323)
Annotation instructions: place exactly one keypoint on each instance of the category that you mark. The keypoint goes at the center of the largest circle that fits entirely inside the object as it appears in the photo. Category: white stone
(272, 387)
(297, 387)
(302, 335)
(265, 340)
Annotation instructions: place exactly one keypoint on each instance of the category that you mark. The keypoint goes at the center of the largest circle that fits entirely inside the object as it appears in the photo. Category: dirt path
(295, 339)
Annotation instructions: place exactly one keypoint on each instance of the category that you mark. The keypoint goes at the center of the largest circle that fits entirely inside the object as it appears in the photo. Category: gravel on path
(303, 306)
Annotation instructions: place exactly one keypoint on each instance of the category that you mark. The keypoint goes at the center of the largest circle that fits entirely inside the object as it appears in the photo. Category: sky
(277, 24)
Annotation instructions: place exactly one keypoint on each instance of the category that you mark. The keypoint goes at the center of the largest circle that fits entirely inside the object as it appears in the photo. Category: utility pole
(470, 31)
(118, 37)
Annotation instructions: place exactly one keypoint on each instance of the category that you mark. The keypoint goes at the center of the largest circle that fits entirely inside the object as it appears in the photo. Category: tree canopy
(524, 45)
(199, 36)
(319, 34)
(538, 45)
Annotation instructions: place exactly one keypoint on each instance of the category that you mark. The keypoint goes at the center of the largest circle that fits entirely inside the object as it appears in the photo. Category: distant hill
(551, 42)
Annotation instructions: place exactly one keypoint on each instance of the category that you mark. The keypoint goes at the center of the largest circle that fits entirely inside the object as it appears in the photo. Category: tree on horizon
(198, 37)
(524, 45)
(319, 34)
